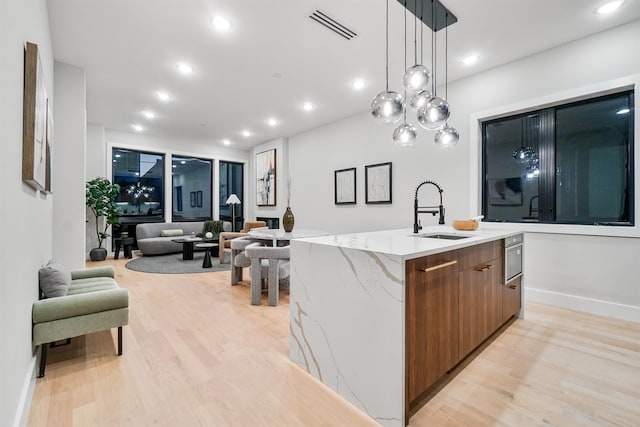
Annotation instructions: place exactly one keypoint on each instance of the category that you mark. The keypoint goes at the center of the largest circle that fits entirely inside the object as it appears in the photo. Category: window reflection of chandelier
(138, 190)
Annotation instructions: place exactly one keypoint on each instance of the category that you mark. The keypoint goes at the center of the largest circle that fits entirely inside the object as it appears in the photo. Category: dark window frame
(211, 183)
(547, 153)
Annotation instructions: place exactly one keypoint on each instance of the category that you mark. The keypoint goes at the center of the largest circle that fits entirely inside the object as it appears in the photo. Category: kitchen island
(380, 316)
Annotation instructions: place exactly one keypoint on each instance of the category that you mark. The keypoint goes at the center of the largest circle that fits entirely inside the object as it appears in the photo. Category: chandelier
(432, 111)
(138, 190)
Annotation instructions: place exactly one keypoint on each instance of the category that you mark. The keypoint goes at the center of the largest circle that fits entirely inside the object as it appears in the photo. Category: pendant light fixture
(447, 136)
(387, 106)
(434, 115)
(416, 78)
(524, 154)
(405, 134)
(420, 98)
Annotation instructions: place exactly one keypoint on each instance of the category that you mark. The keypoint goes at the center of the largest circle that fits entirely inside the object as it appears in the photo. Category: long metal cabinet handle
(439, 266)
(483, 267)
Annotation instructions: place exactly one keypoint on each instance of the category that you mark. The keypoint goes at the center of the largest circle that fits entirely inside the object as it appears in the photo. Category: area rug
(173, 264)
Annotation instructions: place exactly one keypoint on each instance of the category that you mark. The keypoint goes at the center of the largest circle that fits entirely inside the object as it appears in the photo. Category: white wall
(68, 176)
(25, 215)
(281, 145)
(359, 140)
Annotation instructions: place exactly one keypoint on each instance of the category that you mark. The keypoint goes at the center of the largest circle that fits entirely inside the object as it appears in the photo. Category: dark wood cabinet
(511, 298)
(431, 321)
(454, 301)
(480, 295)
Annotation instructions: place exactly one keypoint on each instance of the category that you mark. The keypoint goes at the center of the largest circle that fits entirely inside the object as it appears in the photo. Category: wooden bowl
(468, 224)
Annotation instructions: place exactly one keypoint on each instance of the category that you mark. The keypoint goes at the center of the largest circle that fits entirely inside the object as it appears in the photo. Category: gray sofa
(150, 241)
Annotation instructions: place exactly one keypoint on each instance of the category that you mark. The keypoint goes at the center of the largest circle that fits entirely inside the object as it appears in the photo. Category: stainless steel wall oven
(513, 246)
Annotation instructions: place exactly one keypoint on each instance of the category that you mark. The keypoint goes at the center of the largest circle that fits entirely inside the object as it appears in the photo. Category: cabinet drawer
(474, 255)
(511, 298)
(430, 261)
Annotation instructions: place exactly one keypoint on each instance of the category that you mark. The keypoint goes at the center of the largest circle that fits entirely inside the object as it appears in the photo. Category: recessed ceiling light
(184, 68)
(246, 133)
(174, 166)
(163, 96)
(623, 111)
(221, 23)
(118, 155)
(226, 142)
(471, 59)
(359, 84)
(609, 7)
(137, 128)
(182, 162)
(149, 114)
(307, 106)
(272, 122)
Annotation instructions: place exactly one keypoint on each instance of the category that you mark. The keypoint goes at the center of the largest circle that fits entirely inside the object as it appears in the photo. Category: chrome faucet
(426, 209)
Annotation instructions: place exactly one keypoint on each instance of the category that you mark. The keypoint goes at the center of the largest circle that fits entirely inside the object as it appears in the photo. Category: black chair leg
(43, 359)
(119, 340)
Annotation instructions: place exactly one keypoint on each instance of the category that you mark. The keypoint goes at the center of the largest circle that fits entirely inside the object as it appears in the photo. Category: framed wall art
(345, 186)
(377, 183)
(34, 118)
(505, 191)
(192, 199)
(266, 178)
(199, 198)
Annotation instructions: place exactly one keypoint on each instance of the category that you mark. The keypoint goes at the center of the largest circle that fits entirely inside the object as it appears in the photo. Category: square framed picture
(345, 186)
(266, 178)
(505, 191)
(377, 183)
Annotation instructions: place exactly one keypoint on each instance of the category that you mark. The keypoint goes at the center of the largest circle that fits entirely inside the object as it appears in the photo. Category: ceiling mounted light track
(436, 16)
(333, 25)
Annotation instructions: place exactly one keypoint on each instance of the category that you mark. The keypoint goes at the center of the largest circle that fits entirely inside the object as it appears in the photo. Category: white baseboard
(594, 306)
(26, 394)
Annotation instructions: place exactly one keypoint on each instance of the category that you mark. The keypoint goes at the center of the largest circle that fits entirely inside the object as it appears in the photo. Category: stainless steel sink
(442, 236)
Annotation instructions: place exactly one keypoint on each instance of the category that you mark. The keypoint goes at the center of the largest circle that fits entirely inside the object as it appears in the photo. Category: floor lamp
(233, 201)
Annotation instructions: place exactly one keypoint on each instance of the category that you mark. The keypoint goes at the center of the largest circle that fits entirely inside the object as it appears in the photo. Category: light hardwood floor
(196, 353)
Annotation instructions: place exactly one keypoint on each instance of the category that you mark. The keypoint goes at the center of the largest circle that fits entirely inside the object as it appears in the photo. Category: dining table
(279, 237)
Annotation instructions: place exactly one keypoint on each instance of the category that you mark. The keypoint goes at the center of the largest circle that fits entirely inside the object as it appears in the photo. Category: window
(191, 188)
(231, 182)
(140, 176)
(569, 164)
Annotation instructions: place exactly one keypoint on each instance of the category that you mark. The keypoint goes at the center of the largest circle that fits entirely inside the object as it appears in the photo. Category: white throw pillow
(172, 233)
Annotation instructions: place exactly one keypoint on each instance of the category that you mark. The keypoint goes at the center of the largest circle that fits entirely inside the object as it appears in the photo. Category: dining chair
(275, 260)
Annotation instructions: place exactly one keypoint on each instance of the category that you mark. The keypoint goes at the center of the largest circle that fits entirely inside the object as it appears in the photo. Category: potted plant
(101, 199)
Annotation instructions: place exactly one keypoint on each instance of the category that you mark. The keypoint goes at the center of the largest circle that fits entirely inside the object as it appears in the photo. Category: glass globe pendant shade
(416, 78)
(387, 106)
(419, 100)
(447, 136)
(404, 135)
(523, 155)
(434, 115)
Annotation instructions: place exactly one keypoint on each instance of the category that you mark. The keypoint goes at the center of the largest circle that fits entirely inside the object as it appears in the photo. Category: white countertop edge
(406, 245)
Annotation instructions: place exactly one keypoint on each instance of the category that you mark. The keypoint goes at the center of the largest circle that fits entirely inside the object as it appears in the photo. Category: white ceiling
(275, 57)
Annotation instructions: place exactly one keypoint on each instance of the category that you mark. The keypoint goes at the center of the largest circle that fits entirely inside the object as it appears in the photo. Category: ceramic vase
(98, 254)
(288, 220)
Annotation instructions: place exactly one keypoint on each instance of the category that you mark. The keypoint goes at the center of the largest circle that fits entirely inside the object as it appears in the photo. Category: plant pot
(98, 254)
(288, 220)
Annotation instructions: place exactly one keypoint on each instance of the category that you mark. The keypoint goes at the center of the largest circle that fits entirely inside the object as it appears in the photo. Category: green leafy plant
(213, 227)
(101, 199)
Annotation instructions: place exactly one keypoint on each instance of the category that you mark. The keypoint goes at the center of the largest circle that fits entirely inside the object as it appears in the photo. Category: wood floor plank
(197, 353)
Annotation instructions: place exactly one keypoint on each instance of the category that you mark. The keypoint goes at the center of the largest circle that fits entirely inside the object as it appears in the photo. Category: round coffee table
(207, 253)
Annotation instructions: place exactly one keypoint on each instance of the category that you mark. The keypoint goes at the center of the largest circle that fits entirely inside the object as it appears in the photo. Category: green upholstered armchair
(94, 302)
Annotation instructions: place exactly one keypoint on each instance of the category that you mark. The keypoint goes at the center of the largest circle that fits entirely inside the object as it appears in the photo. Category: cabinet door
(471, 302)
(431, 323)
(492, 284)
(480, 304)
(511, 298)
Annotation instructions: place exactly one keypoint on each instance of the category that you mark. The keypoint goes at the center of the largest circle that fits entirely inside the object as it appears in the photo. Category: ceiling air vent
(333, 25)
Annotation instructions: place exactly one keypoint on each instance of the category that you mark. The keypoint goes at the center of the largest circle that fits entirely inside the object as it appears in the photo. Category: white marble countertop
(407, 245)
